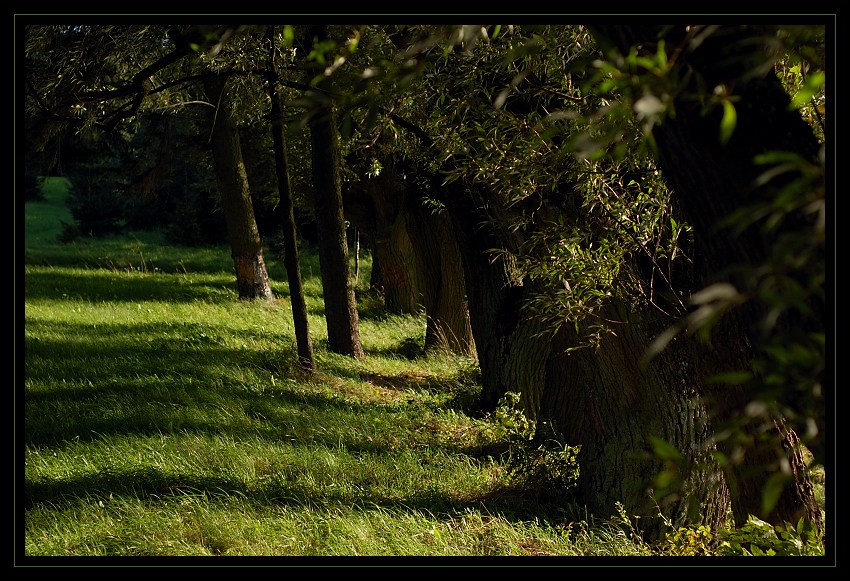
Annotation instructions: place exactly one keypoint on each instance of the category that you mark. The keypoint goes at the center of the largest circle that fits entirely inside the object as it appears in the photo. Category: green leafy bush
(756, 538)
(538, 458)
(759, 538)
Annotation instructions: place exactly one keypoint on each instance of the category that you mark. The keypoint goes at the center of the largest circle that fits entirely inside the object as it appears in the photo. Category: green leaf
(772, 491)
(660, 66)
(288, 36)
(727, 124)
(664, 449)
(731, 378)
(814, 83)
(666, 479)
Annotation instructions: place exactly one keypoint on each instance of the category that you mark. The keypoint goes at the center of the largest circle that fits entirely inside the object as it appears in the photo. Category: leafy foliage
(97, 206)
(537, 459)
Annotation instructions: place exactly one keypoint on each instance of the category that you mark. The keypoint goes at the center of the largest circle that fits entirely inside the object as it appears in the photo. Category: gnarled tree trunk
(710, 182)
(603, 400)
(419, 258)
(624, 412)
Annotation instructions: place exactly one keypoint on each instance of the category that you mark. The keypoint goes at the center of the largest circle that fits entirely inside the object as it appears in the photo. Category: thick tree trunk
(252, 280)
(286, 215)
(618, 410)
(441, 279)
(602, 399)
(393, 247)
(418, 257)
(711, 182)
(512, 348)
(734, 341)
(341, 315)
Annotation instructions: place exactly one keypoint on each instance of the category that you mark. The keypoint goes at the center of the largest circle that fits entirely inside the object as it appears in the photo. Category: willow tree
(506, 185)
(746, 169)
(572, 278)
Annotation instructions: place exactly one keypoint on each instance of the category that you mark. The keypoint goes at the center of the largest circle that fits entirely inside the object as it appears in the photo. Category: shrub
(538, 457)
(97, 207)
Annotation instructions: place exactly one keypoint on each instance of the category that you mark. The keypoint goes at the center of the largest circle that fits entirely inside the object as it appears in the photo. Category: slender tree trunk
(340, 303)
(286, 214)
(252, 278)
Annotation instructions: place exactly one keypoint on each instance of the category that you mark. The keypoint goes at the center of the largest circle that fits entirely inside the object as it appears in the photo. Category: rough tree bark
(612, 404)
(711, 181)
(495, 294)
(439, 271)
(252, 280)
(341, 314)
(603, 400)
(419, 259)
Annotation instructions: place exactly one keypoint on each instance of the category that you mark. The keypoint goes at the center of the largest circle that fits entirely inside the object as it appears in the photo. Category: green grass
(163, 417)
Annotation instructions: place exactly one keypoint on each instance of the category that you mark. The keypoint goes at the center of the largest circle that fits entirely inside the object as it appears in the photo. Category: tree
(338, 289)
(287, 218)
(252, 279)
(559, 372)
(714, 172)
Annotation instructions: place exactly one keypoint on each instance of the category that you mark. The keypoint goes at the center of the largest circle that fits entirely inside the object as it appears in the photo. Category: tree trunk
(711, 182)
(602, 400)
(286, 214)
(252, 280)
(418, 259)
(623, 414)
(393, 248)
(440, 277)
(494, 293)
(338, 290)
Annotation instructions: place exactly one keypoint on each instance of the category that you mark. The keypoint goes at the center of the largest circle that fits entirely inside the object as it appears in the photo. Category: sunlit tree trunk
(418, 257)
(441, 279)
(392, 247)
(252, 280)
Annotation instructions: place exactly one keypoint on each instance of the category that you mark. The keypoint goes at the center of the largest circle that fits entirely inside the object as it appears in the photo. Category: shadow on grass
(104, 285)
(154, 486)
(165, 377)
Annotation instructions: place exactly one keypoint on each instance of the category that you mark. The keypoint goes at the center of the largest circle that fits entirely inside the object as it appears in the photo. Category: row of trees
(623, 224)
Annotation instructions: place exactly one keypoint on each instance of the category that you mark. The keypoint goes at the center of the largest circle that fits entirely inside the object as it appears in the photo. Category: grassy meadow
(158, 417)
